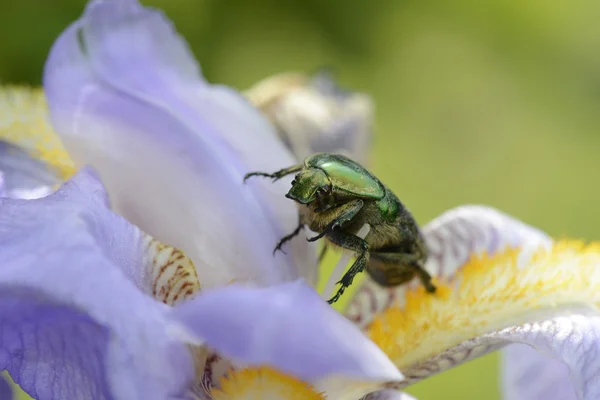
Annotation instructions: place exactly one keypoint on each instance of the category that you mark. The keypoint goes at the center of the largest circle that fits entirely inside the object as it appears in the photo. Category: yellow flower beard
(488, 293)
(263, 383)
(24, 122)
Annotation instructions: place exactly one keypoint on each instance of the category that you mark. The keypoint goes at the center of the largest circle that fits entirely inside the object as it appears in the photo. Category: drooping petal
(74, 322)
(313, 115)
(290, 328)
(534, 291)
(127, 97)
(529, 375)
(452, 239)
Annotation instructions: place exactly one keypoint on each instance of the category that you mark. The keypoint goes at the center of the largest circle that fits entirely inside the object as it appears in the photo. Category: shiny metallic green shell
(347, 175)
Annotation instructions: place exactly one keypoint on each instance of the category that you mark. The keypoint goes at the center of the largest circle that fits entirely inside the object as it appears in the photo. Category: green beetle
(337, 197)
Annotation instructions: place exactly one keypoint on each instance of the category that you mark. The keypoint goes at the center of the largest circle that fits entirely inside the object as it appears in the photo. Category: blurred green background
(491, 102)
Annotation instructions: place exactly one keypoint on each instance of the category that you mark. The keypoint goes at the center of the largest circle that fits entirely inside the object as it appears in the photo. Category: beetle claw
(319, 236)
(280, 249)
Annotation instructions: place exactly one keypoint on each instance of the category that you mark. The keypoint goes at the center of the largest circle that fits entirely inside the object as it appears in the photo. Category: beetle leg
(349, 241)
(276, 175)
(399, 268)
(289, 237)
(345, 213)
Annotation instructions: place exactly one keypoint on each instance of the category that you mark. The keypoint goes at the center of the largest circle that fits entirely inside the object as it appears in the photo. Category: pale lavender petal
(529, 375)
(127, 97)
(22, 176)
(73, 323)
(573, 339)
(289, 327)
(313, 115)
(6, 392)
(452, 239)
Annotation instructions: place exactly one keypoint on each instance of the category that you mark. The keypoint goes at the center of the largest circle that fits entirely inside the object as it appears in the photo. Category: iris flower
(146, 269)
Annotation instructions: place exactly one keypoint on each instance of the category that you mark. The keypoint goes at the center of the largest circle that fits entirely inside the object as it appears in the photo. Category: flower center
(487, 294)
(263, 383)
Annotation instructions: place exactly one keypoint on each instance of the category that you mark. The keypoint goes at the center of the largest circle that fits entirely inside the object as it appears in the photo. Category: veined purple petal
(6, 392)
(127, 97)
(21, 176)
(530, 375)
(452, 238)
(73, 323)
(288, 327)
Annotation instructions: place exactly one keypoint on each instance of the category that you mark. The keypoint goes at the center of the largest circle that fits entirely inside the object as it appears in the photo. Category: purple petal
(452, 239)
(288, 327)
(127, 97)
(73, 323)
(314, 115)
(529, 375)
(6, 392)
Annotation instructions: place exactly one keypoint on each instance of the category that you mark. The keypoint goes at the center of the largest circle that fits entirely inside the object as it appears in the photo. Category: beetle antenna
(275, 175)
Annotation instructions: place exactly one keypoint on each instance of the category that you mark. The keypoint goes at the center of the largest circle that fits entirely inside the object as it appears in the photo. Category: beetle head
(309, 185)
